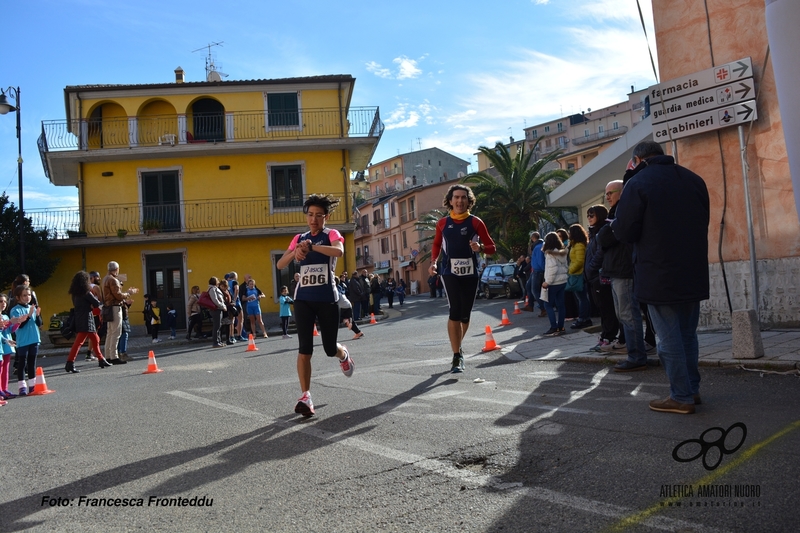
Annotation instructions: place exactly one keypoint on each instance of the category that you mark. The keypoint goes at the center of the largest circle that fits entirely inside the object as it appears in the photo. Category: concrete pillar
(746, 342)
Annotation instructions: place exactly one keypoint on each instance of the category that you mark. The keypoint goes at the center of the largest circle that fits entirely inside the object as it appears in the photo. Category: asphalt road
(212, 442)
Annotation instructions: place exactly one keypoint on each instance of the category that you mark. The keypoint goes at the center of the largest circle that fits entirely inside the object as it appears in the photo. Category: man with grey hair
(671, 262)
(113, 297)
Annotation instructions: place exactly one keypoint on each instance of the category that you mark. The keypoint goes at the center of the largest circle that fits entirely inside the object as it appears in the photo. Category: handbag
(575, 283)
(108, 313)
(205, 301)
(543, 296)
(68, 327)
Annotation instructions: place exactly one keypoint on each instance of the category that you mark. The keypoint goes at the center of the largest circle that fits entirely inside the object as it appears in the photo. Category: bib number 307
(313, 275)
(461, 267)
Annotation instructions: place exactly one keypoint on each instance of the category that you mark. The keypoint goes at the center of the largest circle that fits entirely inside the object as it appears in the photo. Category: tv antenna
(212, 74)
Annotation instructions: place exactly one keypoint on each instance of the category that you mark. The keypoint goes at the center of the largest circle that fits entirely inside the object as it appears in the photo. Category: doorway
(165, 282)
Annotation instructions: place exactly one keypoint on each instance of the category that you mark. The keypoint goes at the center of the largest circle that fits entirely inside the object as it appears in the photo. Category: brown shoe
(671, 406)
(542, 313)
(528, 308)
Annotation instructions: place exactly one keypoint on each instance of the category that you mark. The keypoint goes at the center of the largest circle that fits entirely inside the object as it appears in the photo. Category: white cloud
(379, 71)
(407, 68)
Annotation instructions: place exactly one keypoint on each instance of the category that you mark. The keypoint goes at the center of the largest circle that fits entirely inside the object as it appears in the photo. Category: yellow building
(181, 181)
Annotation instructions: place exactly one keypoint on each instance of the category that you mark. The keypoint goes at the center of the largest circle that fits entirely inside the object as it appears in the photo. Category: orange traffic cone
(152, 367)
(372, 318)
(517, 310)
(251, 343)
(490, 344)
(505, 321)
(526, 300)
(316, 333)
(40, 386)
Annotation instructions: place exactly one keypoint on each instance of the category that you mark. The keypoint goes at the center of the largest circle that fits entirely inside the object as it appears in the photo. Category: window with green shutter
(282, 109)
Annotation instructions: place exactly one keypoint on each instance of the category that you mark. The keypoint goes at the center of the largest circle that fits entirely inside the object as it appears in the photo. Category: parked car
(499, 279)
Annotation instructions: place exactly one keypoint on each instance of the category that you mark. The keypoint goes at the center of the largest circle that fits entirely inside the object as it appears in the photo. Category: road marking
(643, 516)
(447, 469)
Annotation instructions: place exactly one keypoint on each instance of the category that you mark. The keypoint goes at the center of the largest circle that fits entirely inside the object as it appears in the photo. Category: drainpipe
(783, 19)
(82, 222)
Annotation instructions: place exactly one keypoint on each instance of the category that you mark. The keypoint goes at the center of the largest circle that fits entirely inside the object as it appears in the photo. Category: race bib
(313, 275)
(461, 267)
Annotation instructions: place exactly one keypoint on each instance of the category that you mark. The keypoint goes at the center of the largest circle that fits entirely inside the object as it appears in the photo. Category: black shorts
(460, 292)
(306, 314)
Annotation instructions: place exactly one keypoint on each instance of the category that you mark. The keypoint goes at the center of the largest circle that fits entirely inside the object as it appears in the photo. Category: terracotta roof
(306, 79)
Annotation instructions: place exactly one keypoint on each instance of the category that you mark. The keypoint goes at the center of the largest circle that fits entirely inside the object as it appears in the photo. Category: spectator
(7, 348)
(376, 290)
(125, 331)
(555, 281)
(216, 314)
(253, 295)
(155, 319)
(356, 295)
(577, 261)
(285, 310)
(228, 316)
(236, 299)
(401, 291)
(537, 274)
(112, 299)
(391, 285)
(600, 286)
(23, 316)
(195, 314)
(365, 292)
(83, 302)
(671, 268)
(172, 322)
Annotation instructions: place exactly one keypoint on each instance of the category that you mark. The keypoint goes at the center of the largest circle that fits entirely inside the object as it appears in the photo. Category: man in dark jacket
(356, 294)
(671, 266)
(618, 265)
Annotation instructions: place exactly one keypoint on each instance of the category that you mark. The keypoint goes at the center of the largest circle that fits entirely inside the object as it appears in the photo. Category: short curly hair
(448, 198)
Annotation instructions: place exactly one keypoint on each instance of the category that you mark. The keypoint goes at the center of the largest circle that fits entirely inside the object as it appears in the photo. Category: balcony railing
(607, 134)
(187, 216)
(132, 132)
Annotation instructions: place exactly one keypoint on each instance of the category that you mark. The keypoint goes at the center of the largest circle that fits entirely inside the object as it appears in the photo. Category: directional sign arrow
(743, 92)
(743, 67)
(746, 111)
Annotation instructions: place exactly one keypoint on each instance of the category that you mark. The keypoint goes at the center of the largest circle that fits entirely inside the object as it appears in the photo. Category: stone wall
(779, 295)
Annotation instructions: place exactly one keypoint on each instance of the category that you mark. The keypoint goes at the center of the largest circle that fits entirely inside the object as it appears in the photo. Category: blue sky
(454, 75)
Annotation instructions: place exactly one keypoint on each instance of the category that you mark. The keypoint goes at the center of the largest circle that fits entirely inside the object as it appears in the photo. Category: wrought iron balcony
(607, 134)
(259, 213)
(169, 130)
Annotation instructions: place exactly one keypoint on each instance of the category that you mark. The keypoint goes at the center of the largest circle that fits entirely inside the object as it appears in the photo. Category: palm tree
(426, 226)
(515, 201)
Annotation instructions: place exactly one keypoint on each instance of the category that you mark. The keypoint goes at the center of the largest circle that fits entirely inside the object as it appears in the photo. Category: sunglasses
(590, 215)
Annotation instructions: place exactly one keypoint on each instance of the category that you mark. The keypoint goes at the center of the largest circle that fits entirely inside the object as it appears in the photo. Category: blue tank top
(316, 272)
(457, 258)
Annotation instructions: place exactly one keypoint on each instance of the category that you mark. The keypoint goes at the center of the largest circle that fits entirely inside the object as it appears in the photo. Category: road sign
(700, 81)
(706, 121)
(724, 95)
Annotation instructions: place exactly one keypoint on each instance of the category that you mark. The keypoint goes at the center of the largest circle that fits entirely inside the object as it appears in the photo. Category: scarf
(459, 218)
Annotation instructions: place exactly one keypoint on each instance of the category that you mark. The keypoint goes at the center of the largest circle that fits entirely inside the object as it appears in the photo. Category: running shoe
(358, 335)
(347, 363)
(304, 405)
(649, 348)
(91, 357)
(287, 337)
(23, 389)
(458, 364)
(599, 347)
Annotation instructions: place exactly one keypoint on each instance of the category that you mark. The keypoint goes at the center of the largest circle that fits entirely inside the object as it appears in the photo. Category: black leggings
(305, 315)
(460, 291)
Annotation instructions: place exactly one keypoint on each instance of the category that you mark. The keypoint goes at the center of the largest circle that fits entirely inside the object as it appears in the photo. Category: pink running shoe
(305, 406)
(347, 363)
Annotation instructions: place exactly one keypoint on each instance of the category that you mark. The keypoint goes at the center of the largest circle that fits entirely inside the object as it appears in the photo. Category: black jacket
(355, 289)
(664, 211)
(617, 256)
(83, 318)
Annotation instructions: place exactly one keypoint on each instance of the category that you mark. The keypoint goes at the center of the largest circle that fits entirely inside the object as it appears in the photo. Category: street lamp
(5, 107)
